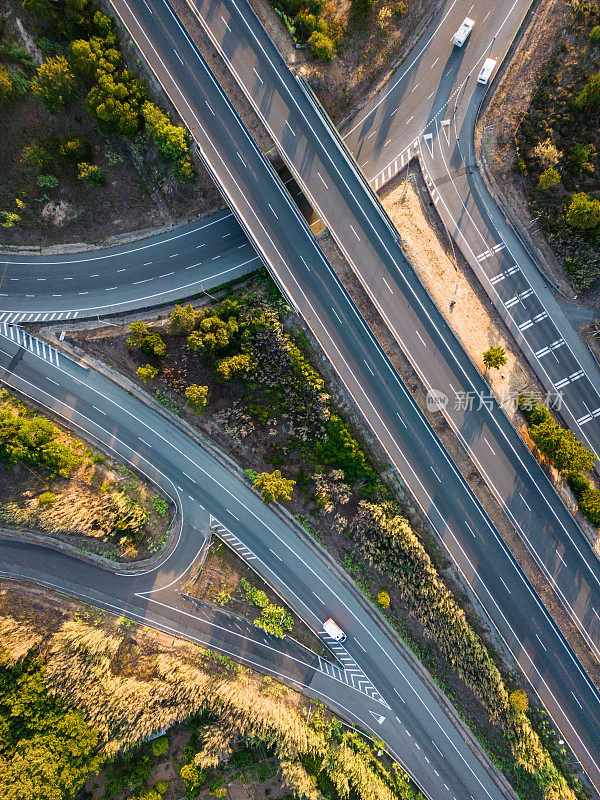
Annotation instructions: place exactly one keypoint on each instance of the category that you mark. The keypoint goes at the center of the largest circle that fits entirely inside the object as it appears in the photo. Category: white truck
(334, 630)
(486, 71)
(462, 34)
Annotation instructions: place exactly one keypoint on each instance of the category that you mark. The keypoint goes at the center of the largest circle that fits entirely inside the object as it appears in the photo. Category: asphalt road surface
(429, 108)
(284, 242)
(373, 683)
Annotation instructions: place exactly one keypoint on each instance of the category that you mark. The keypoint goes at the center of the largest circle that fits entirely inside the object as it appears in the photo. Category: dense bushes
(116, 96)
(273, 487)
(566, 453)
(385, 541)
(311, 23)
(84, 666)
(47, 749)
(273, 619)
(33, 439)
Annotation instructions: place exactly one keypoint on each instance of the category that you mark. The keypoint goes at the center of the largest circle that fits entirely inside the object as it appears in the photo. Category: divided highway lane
(112, 280)
(395, 705)
(429, 108)
(285, 243)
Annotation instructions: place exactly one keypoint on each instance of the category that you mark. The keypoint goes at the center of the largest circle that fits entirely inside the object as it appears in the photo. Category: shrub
(273, 486)
(548, 179)
(494, 358)
(13, 85)
(149, 341)
(237, 366)
(595, 34)
(192, 776)
(183, 319)
(47, 181)
(578, 482)
(197, 397)
(161, 786)
(383, 599)
(321, 46)
(92, 174)
(47, 497)
(160, 746)
(519, 701)
(184, 171)
(74, 149)
(547, 153)
(583, 211)
(146, 373)
(590, 94)
(36, 156)
(54, 83)
(170, 139)
(589, 502)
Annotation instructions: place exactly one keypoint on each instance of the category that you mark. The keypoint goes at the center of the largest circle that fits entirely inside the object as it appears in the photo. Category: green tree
(548, 179)
(54, 83)
(383, 599)
(589, 502)
(74, 149)
(184, 170)
(36, 156)
(237, 366)
(273, 487)
(197, 397)
(150, 342)
(192, 777)
(583, 211)
(170, 139)
(590, 96)
(519, 701)
(494, 358)
(116, 101)
(321, 46)
(183, 319)
(160, 746)
(12, 85)
(146, 373)
(92, 174)
(566, 452)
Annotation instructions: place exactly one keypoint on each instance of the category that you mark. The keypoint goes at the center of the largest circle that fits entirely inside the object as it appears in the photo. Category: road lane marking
(421, 338)
(540, 641)
(505, 586)
(525, 501)
(257, 75)
(271, 207)
(178, 56)
(225, 23)
(318, 598)
(275, 554)
(489, 445)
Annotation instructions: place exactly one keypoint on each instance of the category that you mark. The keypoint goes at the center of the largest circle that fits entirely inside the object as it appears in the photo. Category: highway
(374, 683)
(429, 109)
(284, 242)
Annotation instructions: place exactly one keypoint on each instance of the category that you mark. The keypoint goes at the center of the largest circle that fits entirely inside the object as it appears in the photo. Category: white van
(486, 70)
(461, 35)
(334, 630)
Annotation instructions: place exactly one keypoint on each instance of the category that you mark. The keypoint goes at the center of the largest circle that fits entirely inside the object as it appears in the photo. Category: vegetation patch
(83, 145)
(557, 147)
(350, 43)
(276, 410)
(53, 483)
(87, 691)
(225, 580)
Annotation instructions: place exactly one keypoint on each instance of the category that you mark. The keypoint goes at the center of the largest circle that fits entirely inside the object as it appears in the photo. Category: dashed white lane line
(233, 515)
(322, 180)
(225, 23)
(275, 554)
(400, 696)
(369, 368)
(505, 586)
(540, 641)
(257, 75)
(51, 381)
(178, 56)
(189, 477)
(361, 647)
(387, 284)
(99, 410)
(271, 207)
(489, 445)
(435, 473)
(561, 558)
(337, 315)
(355, 233)
(210, 108)
(577, 700)
(318, 598)
(290, 127)
(146, 443)
(421, 338)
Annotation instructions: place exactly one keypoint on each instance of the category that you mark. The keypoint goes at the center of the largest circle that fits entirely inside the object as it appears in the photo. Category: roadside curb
(383, 625)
